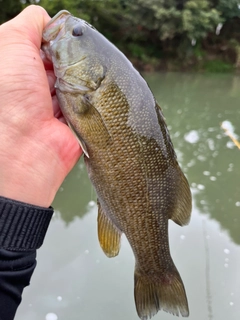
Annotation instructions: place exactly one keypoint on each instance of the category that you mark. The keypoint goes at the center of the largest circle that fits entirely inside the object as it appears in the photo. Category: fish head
(80, 57)
(73, 46)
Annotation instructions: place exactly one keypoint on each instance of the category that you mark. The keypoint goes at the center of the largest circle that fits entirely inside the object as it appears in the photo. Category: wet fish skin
(129, 157)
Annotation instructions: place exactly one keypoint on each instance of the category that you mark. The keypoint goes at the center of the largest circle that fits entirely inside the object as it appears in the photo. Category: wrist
(30, 173)
(26, 187)
(22, 226)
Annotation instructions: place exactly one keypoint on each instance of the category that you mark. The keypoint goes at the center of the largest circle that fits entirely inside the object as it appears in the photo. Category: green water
(74, 280)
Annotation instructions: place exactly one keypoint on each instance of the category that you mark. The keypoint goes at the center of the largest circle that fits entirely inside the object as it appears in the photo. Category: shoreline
(175, 65)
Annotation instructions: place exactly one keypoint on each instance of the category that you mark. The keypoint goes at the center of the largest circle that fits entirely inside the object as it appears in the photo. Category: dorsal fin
(181, 212)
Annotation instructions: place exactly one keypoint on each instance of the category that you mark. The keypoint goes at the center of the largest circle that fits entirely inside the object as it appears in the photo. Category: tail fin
(155, 292)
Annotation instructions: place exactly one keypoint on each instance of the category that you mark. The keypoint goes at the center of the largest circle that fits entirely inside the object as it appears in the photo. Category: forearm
(16, 269)
(22, 231)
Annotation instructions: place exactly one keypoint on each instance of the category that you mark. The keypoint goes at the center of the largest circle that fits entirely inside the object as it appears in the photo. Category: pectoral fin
(79, 139)
(109, 235)
(84, 120)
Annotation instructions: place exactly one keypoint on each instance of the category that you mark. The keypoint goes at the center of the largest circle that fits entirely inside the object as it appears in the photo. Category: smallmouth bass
(128, 154)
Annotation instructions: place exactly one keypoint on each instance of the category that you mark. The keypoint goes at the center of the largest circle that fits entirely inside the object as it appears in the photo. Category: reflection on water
(76, 195)
(82, 283)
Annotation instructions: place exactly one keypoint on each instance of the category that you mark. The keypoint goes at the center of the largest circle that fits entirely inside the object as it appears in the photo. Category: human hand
(37, 149)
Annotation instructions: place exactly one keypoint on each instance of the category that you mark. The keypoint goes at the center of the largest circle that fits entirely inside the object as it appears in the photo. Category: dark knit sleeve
(22, 231)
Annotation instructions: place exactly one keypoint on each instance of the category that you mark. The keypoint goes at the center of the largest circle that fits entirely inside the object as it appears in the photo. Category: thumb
(31, 22)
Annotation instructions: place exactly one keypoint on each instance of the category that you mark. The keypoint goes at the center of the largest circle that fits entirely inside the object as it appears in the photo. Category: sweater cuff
(22, 226)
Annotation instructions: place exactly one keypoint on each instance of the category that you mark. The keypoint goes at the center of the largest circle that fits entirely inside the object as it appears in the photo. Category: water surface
(75, 280)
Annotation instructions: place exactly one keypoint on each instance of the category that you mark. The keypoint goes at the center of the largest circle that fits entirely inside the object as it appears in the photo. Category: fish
(128, 154)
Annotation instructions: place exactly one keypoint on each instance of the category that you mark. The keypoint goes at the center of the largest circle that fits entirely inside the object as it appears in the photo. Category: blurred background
(189, 53)
(168, 35)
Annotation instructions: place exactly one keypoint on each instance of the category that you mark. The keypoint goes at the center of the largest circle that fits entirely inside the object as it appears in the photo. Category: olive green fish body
(129, 157)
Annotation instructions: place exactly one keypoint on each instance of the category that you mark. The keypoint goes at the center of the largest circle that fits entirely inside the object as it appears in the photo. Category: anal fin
(109, 235)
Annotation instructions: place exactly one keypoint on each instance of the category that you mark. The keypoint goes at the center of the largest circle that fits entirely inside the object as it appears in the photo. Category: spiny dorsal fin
(109, 235)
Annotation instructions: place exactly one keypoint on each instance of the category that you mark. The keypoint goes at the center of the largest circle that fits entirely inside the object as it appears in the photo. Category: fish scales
(128, 154)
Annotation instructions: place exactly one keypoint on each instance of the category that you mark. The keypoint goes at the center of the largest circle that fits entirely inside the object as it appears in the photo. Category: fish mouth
(54, 29)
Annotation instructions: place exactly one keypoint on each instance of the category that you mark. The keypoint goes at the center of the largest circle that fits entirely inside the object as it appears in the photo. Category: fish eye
(77, 30)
